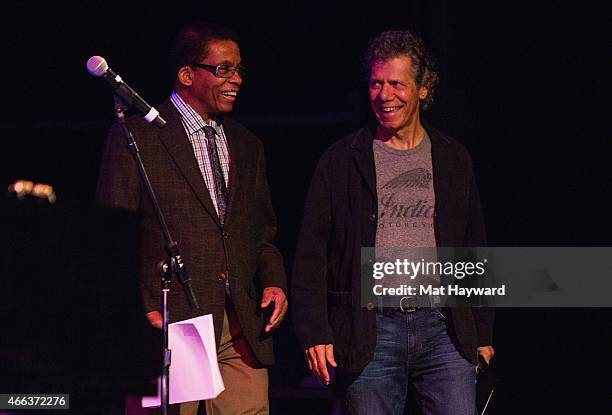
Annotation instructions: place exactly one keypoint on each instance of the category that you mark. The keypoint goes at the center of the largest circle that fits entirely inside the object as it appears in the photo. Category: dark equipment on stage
(486, 382)
(71, 312)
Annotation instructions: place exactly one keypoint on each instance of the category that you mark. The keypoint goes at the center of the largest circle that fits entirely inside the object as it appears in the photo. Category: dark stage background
(521, 87)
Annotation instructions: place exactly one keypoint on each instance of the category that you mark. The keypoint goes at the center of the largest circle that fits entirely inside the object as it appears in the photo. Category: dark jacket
(340, 217)
(243, 246)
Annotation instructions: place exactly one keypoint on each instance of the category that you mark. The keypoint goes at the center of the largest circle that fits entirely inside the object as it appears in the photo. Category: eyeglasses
(221, 71)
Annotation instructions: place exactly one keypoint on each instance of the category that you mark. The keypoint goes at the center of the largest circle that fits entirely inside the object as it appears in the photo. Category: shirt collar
(193, 121)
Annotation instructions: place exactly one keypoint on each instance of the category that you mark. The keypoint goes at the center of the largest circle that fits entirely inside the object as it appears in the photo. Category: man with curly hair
(399, 183)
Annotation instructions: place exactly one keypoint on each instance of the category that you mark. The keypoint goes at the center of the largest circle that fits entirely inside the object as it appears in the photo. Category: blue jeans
(414, 348)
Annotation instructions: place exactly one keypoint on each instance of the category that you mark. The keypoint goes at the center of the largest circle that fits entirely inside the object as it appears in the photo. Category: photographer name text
(450, 290)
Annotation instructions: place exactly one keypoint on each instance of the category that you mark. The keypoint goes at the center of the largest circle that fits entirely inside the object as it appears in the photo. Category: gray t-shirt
(406, 198)
(406, 205)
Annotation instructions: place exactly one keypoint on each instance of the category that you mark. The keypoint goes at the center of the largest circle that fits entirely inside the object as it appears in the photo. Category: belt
(392, 311)
(407, 305)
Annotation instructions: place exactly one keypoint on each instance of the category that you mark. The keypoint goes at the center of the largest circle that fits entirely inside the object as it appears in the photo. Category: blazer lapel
(237, 155)
(175, 140)
(364, 159)
(443, 187)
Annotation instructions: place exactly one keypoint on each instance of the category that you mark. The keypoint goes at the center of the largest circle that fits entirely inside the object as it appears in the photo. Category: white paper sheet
(194, 372)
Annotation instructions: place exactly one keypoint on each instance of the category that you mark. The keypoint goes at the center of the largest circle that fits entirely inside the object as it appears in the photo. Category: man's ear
(185, 75)
(423, 91)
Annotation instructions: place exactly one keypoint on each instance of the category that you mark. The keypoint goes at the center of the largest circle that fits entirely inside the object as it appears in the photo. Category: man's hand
(317, 358)
(155, 318)
(277, 296)
(487, 352)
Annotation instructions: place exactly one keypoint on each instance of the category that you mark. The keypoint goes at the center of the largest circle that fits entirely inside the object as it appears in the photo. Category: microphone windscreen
(97, 66)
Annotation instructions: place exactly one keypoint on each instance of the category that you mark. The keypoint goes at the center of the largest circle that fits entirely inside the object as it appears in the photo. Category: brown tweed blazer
(243, 248)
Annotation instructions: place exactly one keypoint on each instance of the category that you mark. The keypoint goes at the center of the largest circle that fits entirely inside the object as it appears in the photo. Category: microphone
(97, 66)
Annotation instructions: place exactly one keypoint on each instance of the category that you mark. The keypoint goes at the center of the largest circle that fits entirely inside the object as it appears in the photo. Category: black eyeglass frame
(215, 69)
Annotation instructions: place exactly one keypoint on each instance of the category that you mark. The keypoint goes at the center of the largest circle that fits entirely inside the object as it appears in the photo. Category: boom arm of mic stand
(174, 258)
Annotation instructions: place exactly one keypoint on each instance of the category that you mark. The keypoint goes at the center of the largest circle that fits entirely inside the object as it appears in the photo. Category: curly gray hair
(393, 43)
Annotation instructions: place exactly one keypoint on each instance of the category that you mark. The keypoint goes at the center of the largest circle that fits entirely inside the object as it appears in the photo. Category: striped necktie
(220, 188)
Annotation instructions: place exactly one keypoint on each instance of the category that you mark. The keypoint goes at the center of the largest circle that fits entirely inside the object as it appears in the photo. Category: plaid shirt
(194, 124)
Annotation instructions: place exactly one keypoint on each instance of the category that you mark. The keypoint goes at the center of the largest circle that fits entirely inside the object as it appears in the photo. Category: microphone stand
(172, 265)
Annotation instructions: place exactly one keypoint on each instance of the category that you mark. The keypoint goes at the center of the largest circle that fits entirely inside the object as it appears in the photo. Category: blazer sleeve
(309, 279)
(270, 267)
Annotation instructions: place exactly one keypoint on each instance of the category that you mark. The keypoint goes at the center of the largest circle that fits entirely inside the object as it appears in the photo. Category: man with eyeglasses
(209, 175)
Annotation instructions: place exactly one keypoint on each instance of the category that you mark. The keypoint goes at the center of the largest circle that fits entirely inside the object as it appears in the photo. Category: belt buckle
(408, 308)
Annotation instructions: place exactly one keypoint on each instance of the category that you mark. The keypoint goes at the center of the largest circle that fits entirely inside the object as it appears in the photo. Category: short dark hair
(393, 43)
(191, 44)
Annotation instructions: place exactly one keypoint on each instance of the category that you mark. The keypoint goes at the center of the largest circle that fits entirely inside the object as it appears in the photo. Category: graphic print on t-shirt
(412, 178)
(401, 189)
